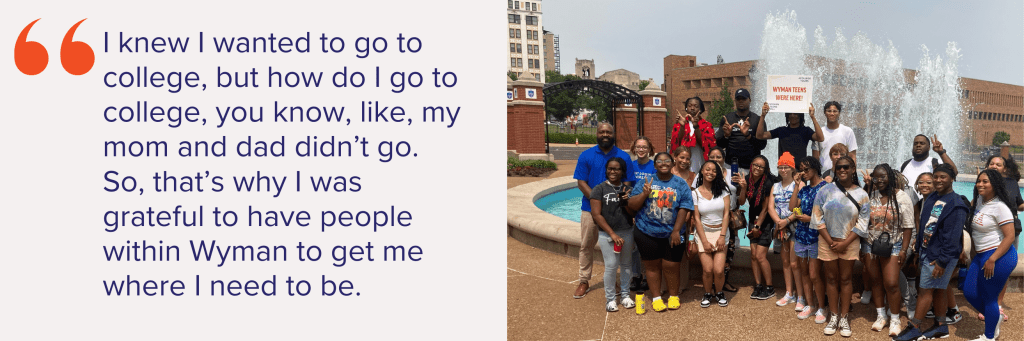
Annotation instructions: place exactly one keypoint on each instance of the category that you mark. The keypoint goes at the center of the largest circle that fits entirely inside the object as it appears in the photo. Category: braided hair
(893, 184)
(762, 186)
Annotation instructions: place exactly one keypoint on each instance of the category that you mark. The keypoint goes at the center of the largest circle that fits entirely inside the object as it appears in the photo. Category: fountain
(884, 103)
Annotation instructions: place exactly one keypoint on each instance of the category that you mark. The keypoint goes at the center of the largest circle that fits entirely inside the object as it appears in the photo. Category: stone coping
(525, 216)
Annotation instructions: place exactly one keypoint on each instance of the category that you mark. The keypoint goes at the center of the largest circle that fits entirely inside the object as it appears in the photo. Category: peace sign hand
(937, 146)
(647, 187)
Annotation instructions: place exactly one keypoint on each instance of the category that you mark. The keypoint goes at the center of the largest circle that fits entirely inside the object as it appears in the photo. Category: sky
(638, 35)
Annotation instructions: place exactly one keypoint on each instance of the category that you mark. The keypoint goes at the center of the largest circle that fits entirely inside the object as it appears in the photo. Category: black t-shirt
(737, 145)
(793, 140)
(612, 209)
(754, 211)
(1016, 200)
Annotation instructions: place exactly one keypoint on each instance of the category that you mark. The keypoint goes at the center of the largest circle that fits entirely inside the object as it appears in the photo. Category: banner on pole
(789, 93)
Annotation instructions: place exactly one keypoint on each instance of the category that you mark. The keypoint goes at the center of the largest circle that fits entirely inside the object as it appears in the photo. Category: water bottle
(735, 171)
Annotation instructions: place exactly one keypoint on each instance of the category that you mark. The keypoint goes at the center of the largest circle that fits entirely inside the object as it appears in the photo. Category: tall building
(552, 56)
(525, 56)
(585, 68)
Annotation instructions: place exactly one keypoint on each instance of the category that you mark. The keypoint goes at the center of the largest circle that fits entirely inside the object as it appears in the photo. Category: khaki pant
(588, 240)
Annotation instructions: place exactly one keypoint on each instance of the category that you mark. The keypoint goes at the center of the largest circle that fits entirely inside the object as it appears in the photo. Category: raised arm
(762, 132)
(818, 136)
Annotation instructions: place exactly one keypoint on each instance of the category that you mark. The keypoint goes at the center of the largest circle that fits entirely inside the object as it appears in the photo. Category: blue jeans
(983, 293)
(622, 261)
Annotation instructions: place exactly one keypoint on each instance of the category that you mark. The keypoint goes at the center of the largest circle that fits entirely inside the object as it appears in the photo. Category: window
(509, 4)
(526, 6)
(513, 19)
(517, 4)
(529, 34)
(513, 62)
(530, 62)
(534, 6)
(519, 62)
(519, 48)
(511, 33)
(511, 47)
(531, 20)
(519, 33)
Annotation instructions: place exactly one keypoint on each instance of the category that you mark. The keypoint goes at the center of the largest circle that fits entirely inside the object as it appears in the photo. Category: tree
(566, 103)
(552, 76)
(644, 84)
(1000, 137)
(513, 76)
(722, 106)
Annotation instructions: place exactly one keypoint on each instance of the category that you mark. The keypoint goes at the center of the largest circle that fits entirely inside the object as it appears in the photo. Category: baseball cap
(743, 93)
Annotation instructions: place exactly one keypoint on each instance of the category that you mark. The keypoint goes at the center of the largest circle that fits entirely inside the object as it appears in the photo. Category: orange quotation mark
(31, 57)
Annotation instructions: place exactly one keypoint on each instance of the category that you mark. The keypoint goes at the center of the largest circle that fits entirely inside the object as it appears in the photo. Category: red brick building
(989, 107)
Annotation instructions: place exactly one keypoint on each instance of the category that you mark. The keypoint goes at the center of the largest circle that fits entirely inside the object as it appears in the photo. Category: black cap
(743, 93)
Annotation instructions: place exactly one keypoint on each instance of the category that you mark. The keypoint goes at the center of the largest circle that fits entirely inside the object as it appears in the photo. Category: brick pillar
(509, 125)
(526, 117)
(1004, 150)
(625, 125)
(655, 123)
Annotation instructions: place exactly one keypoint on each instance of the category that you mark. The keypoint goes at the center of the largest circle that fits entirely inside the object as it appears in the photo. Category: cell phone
(735, 170)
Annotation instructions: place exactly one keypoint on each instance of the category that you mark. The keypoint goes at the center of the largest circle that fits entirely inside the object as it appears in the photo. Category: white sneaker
(833, 325)
(628, 303)
(865, 297)
(611, 307)
(844, 327)
(801, 304)
(982, 338)
(998, 324)
(819, 316)
(879, 323)
(894, 326)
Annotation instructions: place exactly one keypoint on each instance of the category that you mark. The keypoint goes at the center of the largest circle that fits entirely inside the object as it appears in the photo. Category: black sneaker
(706, 302)
(936, 332)
(722, 302)
(953, 316)
(930, 314)
(643, 285)
(766, 293)
(634, 285)
(756, 294)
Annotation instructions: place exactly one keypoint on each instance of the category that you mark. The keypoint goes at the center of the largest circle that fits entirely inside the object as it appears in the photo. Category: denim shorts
(927, 281)
(805, 251)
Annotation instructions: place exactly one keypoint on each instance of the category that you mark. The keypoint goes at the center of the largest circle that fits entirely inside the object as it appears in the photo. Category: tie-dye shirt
(783, 195)
(842, 216)
(657, 218)
(804, 233)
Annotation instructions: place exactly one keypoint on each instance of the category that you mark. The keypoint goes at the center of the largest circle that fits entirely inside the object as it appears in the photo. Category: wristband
(942, 152)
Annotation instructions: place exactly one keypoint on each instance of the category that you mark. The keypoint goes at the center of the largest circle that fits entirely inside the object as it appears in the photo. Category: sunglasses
(843, 167)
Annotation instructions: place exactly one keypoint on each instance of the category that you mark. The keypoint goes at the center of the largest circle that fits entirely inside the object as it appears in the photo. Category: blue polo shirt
(590, 168)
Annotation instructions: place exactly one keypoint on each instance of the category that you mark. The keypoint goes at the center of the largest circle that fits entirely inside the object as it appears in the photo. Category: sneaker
(865, 297)
(844, 327)
(895, 326)
(757, 292)
(879, 323)
(983, 338)
(833, 325)
(658, 305)
(722, 302)
(643, 285)
(807, 312)
(953, 316)
(766, 293)
(909, 334)
(819, 316)
(785, 300)
(998, 324)
(930, 314)
(706, 301)
(673, 302)
(800, 304)
(628, 303)
(936, 332)
(611, 307)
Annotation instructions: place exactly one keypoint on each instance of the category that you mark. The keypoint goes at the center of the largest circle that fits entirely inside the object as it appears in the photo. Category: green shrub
(571, 138)
(540, 164)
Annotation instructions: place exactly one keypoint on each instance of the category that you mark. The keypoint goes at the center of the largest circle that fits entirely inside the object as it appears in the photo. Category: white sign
(657, 101)
(531, 93)
(508, 96)
(789, 93)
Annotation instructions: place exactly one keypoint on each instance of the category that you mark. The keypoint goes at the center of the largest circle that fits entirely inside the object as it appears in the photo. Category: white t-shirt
(913, 170)
(989, 217)
(843, 135)
(711, 210)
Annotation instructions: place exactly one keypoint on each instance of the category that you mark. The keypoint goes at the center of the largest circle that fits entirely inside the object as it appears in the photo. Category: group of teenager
(907, 226)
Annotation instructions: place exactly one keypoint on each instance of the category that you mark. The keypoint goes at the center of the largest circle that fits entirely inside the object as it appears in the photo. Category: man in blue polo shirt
(589, 173)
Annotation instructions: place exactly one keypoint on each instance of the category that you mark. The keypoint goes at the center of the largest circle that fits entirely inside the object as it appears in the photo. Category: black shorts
(766, 236)
(652, 248)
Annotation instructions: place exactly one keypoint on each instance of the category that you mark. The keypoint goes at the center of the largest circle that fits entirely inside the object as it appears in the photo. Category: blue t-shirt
(804, 233)
(658, 215)
(644, 171)
(590, 168)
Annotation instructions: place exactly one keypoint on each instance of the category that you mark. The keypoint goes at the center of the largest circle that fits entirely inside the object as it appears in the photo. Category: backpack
(935, 163)
(968, 223)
